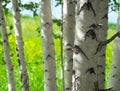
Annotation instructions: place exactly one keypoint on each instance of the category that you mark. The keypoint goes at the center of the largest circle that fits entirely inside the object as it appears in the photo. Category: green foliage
(33, 54)
(59, 2)
(111, 31)
(114, 5)
(32, 6)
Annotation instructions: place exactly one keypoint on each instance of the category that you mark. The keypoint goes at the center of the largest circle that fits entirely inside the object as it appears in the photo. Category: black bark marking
(103, 73)
(91, 70)
(99, 66)
(70, 2)
(11, 69)
(70, 15)
(47, 23)
(68, 70)
(67, 89)
(88, 6)
(17, 55)
(103, 43)
(115, 67)
(2, 18)
(52, 43)
(77, 83)
(94, 26)
(17, 9)
(17, 49)
(105, 16)
(21, 77)
(91, 33)
(77, 50)
(73, 72)
(96, 86)
(103, 55)
(98, 89)
(5, 41)
(45, 70)
(49, 56)
(71, 60)
(68, 44)
(68, 49)
(49, 79)
(19, 62)
(114, 75)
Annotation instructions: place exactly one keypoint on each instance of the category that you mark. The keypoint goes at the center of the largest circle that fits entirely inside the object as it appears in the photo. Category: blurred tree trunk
(20, 49)
(114, 79)
(68, 34)
(48, 46)
(102, 34)
(9, 67)
(90, 32)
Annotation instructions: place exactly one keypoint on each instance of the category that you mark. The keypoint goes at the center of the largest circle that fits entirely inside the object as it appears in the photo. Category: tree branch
(103, 43)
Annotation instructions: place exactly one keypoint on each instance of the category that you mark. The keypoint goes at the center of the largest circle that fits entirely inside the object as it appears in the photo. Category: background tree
(48, 46)
(114, 79)
(19, 43)
(9, 67)
(68, 35)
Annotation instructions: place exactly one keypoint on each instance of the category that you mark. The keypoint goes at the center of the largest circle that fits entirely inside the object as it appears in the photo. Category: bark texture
(48, 46)
(85, 57)
(20, 48)
(68, 34)
(9, 67)
(102, 34)
(114, 79)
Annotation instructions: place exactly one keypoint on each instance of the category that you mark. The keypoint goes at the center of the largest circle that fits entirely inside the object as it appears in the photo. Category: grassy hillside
(33, 53)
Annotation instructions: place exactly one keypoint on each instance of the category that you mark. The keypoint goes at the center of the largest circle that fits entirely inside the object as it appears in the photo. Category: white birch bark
(9, 67)
(48, 46)
(102, 33)
(114, 79)
(19, 43)
(85, 47)
(68, 35)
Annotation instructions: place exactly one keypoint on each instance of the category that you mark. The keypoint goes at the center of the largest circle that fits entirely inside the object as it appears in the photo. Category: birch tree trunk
(68, 33)
(9, 67)
(114, 79)
(20, 49)
(48, 46)
(102, 34)
(85, 56)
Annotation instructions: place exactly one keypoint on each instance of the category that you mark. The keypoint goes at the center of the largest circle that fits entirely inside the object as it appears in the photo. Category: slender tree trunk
(9, 67)
(20, 49)
(114, 79)
(102, 34)
(48, 46)
(61, 51)
(68, 33)
(85, 56)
